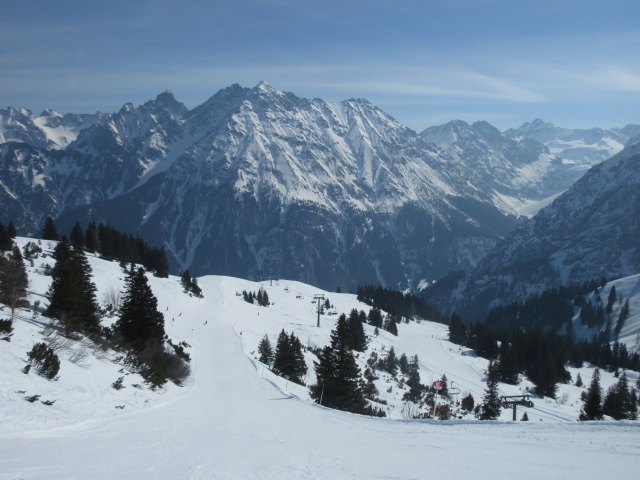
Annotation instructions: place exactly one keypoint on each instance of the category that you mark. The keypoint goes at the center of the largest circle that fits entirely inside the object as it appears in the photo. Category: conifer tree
(579, 382)
(339, 384)
(140, 325)
(263, 297)
(77, 237)
(375, 317)
(622, 317)
(369, 388)
(617, 402)
(390, 325)
(259, 297)
(457, 330)
(467, 403)
(11, 230)
(632, 413)
(72, 293)
(358, 337)
(391, 362)
(592, 407)
(508, 367)
(611, 299)
(13, 281)
(91, 238)
(49, 230)
(288, 358)
(490, 408)
(6, 242)
(403, 364)
(416, 389)
(190, 284)
(265, 351)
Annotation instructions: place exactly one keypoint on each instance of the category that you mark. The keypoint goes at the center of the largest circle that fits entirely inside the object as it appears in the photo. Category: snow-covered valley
(233, 418)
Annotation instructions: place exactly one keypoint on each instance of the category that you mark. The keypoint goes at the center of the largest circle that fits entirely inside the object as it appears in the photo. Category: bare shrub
(112, 300)
(79, 355)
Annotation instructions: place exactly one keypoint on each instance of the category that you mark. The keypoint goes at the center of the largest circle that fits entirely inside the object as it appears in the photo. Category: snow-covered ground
(627, 290)
(234, 419)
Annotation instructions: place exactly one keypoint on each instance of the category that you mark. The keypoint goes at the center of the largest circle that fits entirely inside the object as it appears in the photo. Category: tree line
(111, 244)
(399, 304)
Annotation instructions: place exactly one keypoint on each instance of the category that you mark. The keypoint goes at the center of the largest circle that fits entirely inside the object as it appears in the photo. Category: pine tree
(508, 367)
(416, 389)
(622, 317)
(11, 230)
(339, 384)
(263, 298)
(632, 413)
(375, 317)
(140, 325)
(391, 362)
(282, 355)
(467, 403)
(289, 358)
(457, 330)
(358, 337)
(190, 284)
(6, 242)
(77, 237)
(13, 282)
(611, 299)
(490, 408)
(617, 402)
(72, 293)
(592, 407)
(265, 351)
(579, 382)
(403, 364)
(49, 230)
(390, 325)
(91, 238)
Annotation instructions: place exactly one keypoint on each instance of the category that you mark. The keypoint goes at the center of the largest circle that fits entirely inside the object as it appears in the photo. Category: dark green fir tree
(72, 293)
(49, 230)
(13, 282)
(490, 407)
(265, 351)
(140, 325)
(592, 407)
(339, 384)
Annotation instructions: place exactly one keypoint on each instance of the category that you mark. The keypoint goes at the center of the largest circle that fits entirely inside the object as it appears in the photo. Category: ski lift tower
(318, 297)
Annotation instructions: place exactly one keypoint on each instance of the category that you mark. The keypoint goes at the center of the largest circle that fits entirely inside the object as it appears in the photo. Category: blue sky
(573, 63)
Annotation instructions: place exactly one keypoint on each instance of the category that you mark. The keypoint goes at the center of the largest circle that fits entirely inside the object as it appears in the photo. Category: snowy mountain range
(522, 170)
(589, 232)
(256, 180)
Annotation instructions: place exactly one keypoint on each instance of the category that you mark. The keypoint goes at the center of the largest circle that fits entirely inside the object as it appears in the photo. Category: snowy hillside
(627, 290)
(233, 418)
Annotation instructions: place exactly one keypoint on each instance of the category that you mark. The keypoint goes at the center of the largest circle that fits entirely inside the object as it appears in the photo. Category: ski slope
(234, 420)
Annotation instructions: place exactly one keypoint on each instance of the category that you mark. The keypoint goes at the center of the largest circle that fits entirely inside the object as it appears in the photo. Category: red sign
(438, 384)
